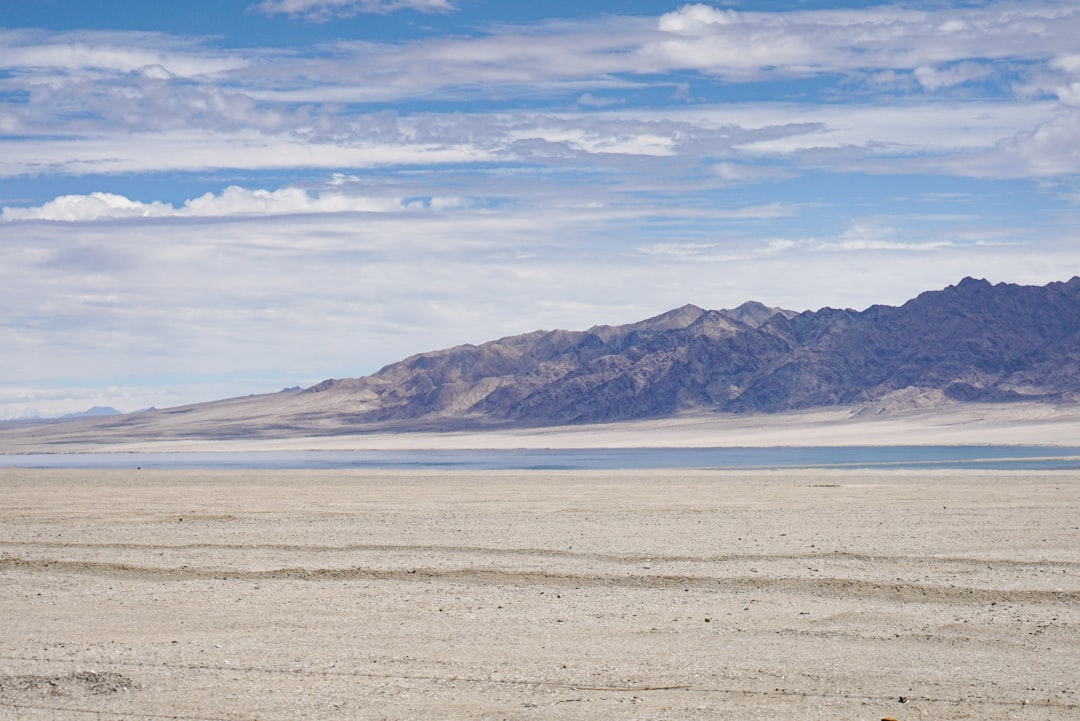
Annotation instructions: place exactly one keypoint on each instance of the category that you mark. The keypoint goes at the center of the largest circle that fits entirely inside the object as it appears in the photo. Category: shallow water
(910, 457)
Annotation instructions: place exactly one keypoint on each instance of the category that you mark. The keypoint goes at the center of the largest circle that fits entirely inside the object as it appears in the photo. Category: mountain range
(970, 342)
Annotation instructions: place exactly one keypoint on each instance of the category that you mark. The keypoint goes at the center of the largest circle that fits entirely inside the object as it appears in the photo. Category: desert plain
(360, 594)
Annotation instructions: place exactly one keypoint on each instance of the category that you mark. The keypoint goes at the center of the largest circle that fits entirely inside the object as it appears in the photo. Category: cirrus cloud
(321, 10)
(328, 199)
(32, 54)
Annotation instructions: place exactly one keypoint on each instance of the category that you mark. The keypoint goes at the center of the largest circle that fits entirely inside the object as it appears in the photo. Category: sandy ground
(1027, 423)
(535, 595)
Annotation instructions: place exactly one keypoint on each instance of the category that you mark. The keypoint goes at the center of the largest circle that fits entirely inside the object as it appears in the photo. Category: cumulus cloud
(1051, 149)
(692, 19)
(88, 207)
(239, 201)
(320, 10)
(232, 201)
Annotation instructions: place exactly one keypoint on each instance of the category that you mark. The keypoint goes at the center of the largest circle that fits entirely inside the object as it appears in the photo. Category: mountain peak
(969, 283)
(94, 412)
(678, 318)
(755, 314)
(671, 320)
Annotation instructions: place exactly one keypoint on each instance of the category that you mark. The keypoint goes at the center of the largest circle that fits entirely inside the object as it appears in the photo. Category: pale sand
(534, 595)
(1029, 423)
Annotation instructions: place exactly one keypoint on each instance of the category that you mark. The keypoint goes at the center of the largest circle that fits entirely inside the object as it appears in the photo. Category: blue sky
(210, 199)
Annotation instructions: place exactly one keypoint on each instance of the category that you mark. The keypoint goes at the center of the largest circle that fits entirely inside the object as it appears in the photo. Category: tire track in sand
(630, 558)
(823, 586)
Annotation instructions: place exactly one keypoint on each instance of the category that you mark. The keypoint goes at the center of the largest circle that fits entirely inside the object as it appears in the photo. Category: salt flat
(1020, 423)
(539, 595)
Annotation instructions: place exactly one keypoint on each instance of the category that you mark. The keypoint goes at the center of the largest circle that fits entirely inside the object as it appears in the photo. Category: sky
(214, 198)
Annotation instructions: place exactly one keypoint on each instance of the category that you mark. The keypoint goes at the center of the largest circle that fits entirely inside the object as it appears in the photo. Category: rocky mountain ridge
(970, 342)
(939, 352)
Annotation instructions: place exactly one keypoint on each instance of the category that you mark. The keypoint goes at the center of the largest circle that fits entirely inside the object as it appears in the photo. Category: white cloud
(759, 44)
(130, 102)
(88, 207)
(693, 19)
(933, 78)
(589, 100)
(553, 211)
(239, 201)
(581, 139)
(156, 54)
(619, 150)
(193, 150)
(941, 48)
(1051, 149)
(1069, 94)
(900, 128)
(318, 10)
(232, 201)
(129, 77)
(721, 137)
(740, 173)
(317, 294)
(447, 203)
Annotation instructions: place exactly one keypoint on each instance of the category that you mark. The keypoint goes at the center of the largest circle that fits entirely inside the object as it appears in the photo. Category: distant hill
(968, 343)
(95, 412)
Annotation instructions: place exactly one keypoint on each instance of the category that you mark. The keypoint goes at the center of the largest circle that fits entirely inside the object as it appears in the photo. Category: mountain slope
(603, 373)
(973, 341)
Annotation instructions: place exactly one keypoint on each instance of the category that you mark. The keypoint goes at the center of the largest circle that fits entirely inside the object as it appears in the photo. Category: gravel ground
(290, 595)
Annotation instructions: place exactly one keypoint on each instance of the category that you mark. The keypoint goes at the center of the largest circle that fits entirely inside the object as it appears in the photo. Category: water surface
(932, 457)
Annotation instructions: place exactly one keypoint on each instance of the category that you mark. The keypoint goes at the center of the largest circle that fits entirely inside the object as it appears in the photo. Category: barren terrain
(537, 595)
(222, 427)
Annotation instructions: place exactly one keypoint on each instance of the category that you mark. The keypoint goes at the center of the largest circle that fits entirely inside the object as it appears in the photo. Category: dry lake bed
(284, 595)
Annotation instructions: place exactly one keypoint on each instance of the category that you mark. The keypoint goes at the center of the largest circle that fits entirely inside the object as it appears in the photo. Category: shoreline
(981, 458)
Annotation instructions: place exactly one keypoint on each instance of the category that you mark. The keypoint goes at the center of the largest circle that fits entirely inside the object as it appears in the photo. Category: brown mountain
(973, 341)
(970, 342)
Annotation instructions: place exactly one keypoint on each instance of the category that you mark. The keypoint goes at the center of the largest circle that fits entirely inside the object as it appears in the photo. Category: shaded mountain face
(973, 341)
